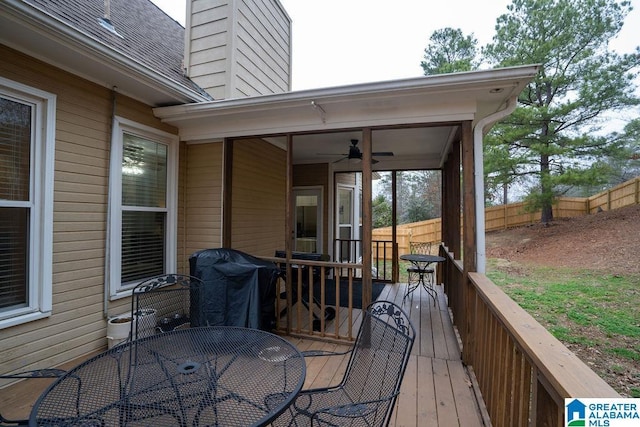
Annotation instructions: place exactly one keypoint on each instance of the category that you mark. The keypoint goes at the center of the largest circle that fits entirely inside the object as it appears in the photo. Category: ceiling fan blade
(382, 153)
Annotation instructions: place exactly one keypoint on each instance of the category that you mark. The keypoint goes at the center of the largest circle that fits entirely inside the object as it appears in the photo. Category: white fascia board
(434, 99)
(512, 76)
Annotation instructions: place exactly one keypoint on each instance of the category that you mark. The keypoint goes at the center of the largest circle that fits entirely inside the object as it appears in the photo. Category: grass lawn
(596, 315)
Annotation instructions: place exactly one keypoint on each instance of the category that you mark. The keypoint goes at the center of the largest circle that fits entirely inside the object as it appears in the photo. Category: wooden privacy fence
(515, 215)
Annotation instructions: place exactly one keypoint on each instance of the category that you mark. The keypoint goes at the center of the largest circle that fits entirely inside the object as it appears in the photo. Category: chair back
(379, 358)
(422, 248)
(164, 303)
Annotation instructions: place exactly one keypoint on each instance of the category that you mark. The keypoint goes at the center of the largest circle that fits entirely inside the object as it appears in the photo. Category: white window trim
(41, 222)
(114, 222)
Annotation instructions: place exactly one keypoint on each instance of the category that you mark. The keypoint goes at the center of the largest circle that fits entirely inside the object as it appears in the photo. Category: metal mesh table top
(214, 376)
(421, 258)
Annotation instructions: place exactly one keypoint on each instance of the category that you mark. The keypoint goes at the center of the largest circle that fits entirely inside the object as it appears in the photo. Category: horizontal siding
(209, 45)
(262, 48)
(203, 197)
(239, 48)
(83, 122)
(258, 197)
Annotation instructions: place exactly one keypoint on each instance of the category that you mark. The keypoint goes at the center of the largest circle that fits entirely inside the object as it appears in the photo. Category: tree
(418, 194)
(381, 212)
(626, 165)
(556, 132)
(450, 51)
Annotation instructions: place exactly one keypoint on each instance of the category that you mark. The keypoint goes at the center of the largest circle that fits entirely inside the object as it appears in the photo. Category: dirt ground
(606, 241)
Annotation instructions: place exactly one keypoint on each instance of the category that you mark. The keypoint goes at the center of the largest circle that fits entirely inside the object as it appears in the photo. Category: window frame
(121, 126)
(40, 265)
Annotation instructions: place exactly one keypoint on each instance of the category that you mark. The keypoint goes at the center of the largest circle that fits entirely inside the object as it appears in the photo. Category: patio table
(420, 263)
(209, 376)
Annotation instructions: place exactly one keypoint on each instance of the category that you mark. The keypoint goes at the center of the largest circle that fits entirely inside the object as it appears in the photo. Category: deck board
(436, 389)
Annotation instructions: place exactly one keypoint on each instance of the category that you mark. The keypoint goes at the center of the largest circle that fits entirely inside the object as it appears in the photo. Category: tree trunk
(546, 190)
(547, 214)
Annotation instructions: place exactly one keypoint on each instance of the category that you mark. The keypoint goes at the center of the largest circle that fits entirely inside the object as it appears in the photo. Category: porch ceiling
(416, 119)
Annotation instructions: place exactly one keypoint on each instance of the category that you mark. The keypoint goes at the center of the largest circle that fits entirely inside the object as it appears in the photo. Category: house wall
(258, 197)
(83, 123)
(238, 48)
(203, 205)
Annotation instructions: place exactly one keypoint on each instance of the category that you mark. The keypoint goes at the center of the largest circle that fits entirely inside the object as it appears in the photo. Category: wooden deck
(436, 390)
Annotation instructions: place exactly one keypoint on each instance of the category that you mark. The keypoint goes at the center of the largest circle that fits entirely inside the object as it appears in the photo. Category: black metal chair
(36, 373)
(415, 274)
(164, 303)
(371, 384)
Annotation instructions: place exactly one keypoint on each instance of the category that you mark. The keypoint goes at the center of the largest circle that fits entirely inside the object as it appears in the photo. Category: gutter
(437, 83)
(478, 132)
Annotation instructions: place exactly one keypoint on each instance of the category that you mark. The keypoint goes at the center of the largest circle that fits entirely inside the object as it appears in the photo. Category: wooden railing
(298, 313)
(523, 372)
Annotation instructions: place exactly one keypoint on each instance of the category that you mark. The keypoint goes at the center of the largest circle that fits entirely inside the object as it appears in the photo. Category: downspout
(107, 278)
(478, 132)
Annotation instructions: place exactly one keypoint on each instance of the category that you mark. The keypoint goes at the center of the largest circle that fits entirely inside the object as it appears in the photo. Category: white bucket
(118, 329)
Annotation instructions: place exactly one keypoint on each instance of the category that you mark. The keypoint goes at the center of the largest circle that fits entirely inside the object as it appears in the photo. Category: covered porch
(273, 145)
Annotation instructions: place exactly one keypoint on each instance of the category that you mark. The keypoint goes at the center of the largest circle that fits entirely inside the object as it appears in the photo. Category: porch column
(289, 229)
(367, 226)
(451, 202)
(469, 239)
(227, 197)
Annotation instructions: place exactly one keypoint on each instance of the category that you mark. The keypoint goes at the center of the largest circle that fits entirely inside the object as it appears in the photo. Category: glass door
(308, 220)
(344, 222)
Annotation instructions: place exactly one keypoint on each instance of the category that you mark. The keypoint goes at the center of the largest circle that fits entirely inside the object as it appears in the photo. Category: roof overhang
(415, 118)
(30, 30)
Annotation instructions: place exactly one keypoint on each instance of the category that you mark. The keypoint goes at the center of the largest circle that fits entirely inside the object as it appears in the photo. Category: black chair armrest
(332, 415)
(314, 353)
(37, 373)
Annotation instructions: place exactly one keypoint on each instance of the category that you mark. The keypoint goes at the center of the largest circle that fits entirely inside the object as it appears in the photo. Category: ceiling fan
(356, 154)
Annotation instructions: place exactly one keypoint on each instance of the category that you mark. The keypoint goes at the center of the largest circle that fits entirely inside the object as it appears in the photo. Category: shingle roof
(146, 34)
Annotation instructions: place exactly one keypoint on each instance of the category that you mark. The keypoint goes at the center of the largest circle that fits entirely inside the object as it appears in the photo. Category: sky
(342, 42)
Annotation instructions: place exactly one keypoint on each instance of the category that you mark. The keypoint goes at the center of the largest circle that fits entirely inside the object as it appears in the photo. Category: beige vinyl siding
(203, 197)
(238, 48)
(263, 49)
(207, 48)
(83, 124)
(258, 197)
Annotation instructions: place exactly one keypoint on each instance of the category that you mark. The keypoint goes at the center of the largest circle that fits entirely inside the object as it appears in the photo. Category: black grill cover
(239, 289)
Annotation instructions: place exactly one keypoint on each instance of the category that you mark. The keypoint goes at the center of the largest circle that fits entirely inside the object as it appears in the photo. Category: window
(27, 143)
(142, 201)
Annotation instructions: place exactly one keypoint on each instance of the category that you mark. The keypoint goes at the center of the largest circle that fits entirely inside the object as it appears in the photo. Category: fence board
(515, 215)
